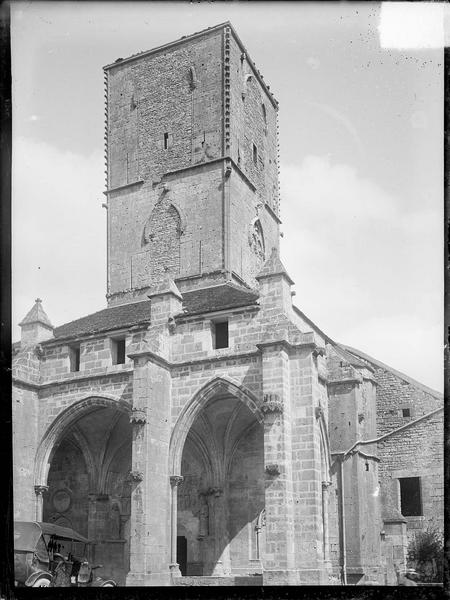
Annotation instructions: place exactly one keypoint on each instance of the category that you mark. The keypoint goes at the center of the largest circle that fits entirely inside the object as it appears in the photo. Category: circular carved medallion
(62, 500)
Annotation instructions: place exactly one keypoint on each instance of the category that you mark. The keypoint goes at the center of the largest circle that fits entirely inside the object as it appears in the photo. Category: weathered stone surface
(217, 463)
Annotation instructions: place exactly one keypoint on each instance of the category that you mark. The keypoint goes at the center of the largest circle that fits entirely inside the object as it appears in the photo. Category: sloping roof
(205, 300)
(36, 315)
(350, 357)
(380, 365)
(115, 317)
(218, 297)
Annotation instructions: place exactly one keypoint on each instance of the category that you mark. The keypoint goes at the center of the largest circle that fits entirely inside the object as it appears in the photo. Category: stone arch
(163, 210)
(161, 242)
(64, 420)
(217, 386)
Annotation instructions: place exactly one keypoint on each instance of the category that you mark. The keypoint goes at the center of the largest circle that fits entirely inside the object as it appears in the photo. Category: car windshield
(65, 547)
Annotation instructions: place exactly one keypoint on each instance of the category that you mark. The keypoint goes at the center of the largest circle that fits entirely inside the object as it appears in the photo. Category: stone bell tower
(192, 166)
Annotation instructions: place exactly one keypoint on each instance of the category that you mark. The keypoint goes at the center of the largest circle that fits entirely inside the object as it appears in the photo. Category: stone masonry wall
(177, 97)
(415, 452)
(253, 122)
(245, 212)
(159, 88)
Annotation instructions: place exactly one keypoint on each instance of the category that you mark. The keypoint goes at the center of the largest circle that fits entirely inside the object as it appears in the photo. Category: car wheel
(41, 582)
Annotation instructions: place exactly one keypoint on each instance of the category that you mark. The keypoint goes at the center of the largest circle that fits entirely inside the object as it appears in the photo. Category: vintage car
(48, 555)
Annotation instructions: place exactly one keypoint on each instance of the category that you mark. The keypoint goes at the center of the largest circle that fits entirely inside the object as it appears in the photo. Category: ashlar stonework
(201, 429)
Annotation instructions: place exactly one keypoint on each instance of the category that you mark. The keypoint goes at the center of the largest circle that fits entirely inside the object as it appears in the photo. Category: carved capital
(215, 491)
(272, 403)
(273, 470)
(92, 497)
(171, 324)
(318, 411)
(326, 485)
(39, 351)
(176, 480)
(319, 351)
(136, 476)
(138, 416)
(39, 490)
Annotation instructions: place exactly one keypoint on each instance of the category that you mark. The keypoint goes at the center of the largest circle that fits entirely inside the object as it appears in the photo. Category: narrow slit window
(410, 497)
(118, 351)
(220, 335)
(255, 155)
(74, 358)
(166, 141)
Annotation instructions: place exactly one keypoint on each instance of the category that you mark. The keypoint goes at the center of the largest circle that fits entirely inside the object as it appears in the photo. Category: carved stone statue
(256, 239)
(114, 522)
(203, 529)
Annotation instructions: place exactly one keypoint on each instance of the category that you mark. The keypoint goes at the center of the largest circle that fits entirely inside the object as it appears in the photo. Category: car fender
(35, 576)
(99, 582)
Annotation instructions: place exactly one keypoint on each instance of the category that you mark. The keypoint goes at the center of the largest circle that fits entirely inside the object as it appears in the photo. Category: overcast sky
(361, 129)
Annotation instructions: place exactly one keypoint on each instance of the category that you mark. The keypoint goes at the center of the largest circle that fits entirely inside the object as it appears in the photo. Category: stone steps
(232, 580)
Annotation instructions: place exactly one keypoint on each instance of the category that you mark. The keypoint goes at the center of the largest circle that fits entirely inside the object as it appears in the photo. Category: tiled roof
(218, 297)
(36, 315)
(116, 317)
(126, 315)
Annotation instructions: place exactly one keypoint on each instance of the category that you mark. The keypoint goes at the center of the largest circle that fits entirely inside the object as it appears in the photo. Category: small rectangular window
(406, 412)
(74, 358)
(410, 497)
(220, 334)
(118, 351)
(255, 154)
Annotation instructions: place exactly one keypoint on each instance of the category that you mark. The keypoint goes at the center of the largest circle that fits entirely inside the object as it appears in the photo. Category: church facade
(201, 428)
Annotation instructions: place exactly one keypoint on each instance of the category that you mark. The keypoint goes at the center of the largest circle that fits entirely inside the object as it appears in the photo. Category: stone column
(40, 490)
(150, 513)
(92, 525)
(136, 574)
(175, 481)
(260, 523)
(326, 544)
(221, 546)
(279, 556)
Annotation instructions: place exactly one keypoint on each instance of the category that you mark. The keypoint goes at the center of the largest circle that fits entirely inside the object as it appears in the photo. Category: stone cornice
(26, 384)
(167, 364)
(123, 187)
(64, 341)
(70, 380)
(357, 379)
(345, 380)
(308, 342)
(194, 316)
(226, 158)
(360, 452)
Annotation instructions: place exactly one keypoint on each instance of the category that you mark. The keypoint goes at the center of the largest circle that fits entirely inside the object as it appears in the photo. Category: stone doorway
(222, 494)
(88, 487)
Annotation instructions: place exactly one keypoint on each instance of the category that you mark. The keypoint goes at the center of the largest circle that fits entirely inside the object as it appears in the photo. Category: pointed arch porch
(216, 387)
